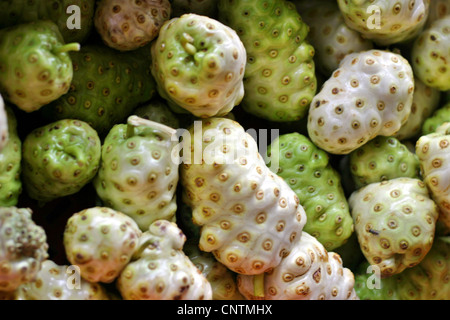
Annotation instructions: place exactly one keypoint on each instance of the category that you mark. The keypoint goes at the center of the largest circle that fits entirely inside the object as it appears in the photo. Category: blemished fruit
(4, 131)
(330, 36)
(309, 272)
(198, 64)
(35, 65)
(160, 270)
(74, 18)
(101, 242)
(139, 173)
(23, 247)
(250, 218)
(279, 79)
(429, 280)
(434, 153)
(395, 222)
(107, 86)
(60, 282)
(430, 55)
(386, 22)
(59, 159)
(157, 110)
(307, 170)
(383, 158)
(126, 25)
(438, 118)
(10, 164)
(370, 94)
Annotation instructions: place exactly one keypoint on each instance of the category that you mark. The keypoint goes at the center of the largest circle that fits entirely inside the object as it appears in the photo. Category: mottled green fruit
(139, 171)
(59, 159)
(35, 64)
(101, 242)
(395, 222)
(439, 117)
(307, 170)
(279, 79)
(429, 280)
(383, 158)
(23, 247)
(430, 54)
(160, 270)
(222, 280)
(10, 164)
(157, 110)
(60, 282)
(107, 86)
(64, 13)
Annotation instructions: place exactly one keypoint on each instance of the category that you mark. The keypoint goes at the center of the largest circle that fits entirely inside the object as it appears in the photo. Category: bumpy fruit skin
(250, 217)
(139, 171)
(4, 131)
(370, 94)
(126, 25)
(198, 65)
(438, 9)
(425, 102)
(429, 280)
(307, 170)
(101, 242)
(222, 280)
(107, 86)
(395, 223)
(309, 272)
(438, 118)
(10, 164)
(383, 158)
(160, 270)
(53, 282)
(202, 7)
(23, 247)
(330, 36)
(35, 65)
(434, 155)
(59, 159)
(157, 110)
(279, 79)
(61, 12)
(430, 54)
(383, 21)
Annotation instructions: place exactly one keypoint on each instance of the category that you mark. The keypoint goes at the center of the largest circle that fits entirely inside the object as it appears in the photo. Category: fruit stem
(135, 121)
(186, 42)
(258, 285)
(67, 48)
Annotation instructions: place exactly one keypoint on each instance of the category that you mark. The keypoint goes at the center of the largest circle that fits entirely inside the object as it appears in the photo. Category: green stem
(130, 131)
(258, 285)
(68, 47)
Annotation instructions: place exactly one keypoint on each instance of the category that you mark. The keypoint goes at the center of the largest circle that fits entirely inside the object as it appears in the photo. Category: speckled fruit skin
(430, 55)
(159, 111)
(23, 11)
(330, 36)
(160, 270)
(52, 283)
(250, 217)
(425, 102)
(198, 65)
(280, 79)
(383, 158)
(139, 171)
(307, 170)
(370, 94)
(429, 280)
(35, 65)
(438, 118)
(10, 164)
(438, 9)
(309, 272)
(399, 21)
(101, 242)
(222, 280)
(126, 25)
(23, 247)
(4, 131)
(59, 159)
(395, 223)
(202, 7)
(434, 155)
(107, 86)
